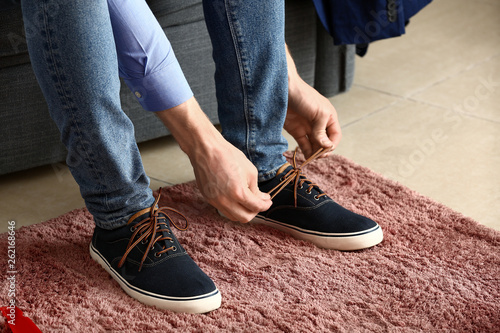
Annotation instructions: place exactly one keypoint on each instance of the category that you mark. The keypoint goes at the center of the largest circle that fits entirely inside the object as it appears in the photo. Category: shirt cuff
(162, 89)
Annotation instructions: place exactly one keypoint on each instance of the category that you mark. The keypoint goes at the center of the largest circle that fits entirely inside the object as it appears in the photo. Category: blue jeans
(248, 39)
(74, 58)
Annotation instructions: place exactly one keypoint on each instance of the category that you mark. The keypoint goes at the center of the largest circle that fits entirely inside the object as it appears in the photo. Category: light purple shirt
(146, 60)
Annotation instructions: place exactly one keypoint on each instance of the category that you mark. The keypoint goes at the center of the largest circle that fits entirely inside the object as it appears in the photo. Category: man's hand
(225, 177)
(311, 119)
(228, 180)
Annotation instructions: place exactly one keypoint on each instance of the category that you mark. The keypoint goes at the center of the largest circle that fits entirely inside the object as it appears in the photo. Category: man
(76, 49)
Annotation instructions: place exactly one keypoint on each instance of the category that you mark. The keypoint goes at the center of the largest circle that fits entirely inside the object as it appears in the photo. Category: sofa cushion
(173, 13)
(14, 50)
(13, 47)
(30, 138)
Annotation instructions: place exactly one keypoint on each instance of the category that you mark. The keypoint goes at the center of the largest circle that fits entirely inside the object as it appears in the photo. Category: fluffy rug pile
(436, 270)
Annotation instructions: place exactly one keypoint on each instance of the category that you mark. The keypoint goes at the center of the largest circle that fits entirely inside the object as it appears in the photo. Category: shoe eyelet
(281, 179)
(144, 241)
(157, 255)
(132, 229)
(308, 192)
(300, 187)
(172, 241)
(316, 198)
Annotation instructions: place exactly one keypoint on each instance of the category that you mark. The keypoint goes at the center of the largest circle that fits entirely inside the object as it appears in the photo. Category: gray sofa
(29, 138)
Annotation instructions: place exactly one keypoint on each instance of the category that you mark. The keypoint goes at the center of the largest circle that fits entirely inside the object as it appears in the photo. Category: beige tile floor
(423, 110)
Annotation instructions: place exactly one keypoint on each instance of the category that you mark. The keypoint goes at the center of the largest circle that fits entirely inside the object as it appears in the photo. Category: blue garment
(146, 60)
(145, 57)
(77, 50)
(251, 77)
(73, 55)
(362, 22)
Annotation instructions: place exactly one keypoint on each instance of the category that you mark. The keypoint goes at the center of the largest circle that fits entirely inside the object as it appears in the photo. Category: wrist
(293, 75)
(297, 88)
(190, 127)
(295, 82)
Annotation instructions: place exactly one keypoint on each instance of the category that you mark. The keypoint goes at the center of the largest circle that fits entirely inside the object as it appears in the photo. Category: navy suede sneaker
(150, 265)
(302, 209)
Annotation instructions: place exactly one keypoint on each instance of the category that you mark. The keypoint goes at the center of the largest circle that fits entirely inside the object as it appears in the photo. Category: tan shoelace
(294, 175)
(146, 230)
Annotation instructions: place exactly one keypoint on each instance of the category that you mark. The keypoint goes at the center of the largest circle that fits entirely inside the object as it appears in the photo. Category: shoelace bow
(294, 176)
(145, 231)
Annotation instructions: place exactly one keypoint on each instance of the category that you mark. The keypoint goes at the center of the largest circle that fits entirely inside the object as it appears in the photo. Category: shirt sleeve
(146, 60)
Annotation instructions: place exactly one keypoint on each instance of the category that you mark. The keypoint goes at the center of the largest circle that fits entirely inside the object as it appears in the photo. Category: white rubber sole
(342, 241)
(196, 304)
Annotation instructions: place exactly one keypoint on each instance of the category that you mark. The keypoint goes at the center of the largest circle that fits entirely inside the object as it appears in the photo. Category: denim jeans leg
(251, 77)
(73, 55)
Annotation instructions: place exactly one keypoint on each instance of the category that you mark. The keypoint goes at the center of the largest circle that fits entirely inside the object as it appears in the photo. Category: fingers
(314, 126)
(305, 145)
(334, 133)
(253, 198)
(254, 203)
(232, 187)
(319, 137)
(326, 133)
(225, 177)
(242, 206)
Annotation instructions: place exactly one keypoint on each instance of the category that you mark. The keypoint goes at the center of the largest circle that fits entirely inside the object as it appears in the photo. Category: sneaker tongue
(287, 165)
(283, 168)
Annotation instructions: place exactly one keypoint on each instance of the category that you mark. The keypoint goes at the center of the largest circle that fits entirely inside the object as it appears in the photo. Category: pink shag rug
(436, 270)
